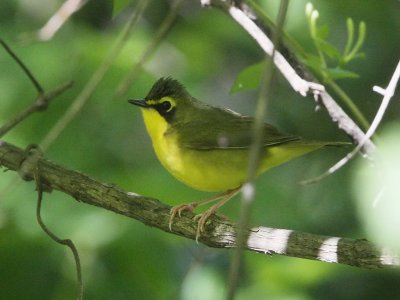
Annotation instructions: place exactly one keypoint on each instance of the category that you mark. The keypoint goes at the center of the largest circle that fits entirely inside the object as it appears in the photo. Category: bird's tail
(318, 144)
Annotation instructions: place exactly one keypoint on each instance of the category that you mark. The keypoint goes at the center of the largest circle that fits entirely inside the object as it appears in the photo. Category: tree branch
(40, 104)
(218, 234)
(67, 9)
(42, 100)
(26, 70)
(301, 80)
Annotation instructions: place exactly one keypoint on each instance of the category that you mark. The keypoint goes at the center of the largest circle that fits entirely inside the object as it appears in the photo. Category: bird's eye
(166, 106)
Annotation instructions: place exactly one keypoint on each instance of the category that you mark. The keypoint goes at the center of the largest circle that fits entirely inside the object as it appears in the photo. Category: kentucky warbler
(207, 147)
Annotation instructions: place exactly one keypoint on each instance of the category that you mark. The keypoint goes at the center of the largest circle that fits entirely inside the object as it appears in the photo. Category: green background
(205, 50)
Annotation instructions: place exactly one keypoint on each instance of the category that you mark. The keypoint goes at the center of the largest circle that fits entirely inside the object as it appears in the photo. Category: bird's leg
(178, 209)
(202, 218)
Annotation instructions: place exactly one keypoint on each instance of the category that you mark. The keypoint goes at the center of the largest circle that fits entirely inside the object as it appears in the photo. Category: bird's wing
(228, 132)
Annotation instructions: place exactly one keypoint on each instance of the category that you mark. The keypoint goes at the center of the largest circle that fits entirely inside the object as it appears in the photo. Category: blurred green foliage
(206, 50)
(377, 191)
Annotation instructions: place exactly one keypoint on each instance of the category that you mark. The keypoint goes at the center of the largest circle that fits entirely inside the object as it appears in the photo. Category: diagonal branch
(67, 9)
(42, 100)
(218, 234)
(301, 80)
(40, 104)
(26, 70)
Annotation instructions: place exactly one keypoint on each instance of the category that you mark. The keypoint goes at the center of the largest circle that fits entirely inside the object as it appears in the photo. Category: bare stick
(298, 84)
(65, 242)
(23, 67)
(387, 96)
(67, 9)
(40, 104)
(218, 232)
(248, 191)
(29, 165)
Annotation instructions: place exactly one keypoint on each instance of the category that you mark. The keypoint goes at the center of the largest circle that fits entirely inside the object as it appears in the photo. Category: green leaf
(350, 36)
(249, 78)
(312, 61)
(330, 50)
(360, 55)
(119, 5)
(338, 73)
(353, 53)
(323, 32)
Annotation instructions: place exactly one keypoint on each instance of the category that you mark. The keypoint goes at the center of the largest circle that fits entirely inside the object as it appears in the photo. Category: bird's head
(168, 97)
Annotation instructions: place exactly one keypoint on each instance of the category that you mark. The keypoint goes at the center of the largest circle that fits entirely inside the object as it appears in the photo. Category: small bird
(207, 147)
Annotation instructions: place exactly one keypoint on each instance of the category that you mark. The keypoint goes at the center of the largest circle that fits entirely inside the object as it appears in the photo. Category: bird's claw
(201, 221)
(178, 210)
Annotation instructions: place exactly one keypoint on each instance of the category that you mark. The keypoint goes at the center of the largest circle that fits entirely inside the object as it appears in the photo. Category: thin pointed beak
(138, 102)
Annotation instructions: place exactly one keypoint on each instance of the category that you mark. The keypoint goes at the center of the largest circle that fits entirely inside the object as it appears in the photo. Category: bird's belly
(219, 169)
(206, 170)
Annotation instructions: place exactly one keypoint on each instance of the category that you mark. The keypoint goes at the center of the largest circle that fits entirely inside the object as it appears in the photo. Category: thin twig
(54, 237)
(300, 85)
(67, 9)
(248, 191)
(95, 80)
(152, 47)
(345, 98)
(29, 168)
(40, 104)
(387, 95)
(28, 73)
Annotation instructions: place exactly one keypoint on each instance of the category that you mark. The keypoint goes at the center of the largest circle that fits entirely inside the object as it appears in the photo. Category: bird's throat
(156, 125)
(164, 142)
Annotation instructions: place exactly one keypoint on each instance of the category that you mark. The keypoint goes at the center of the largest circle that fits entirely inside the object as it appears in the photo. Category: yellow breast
(202, 170)
(164, 144)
